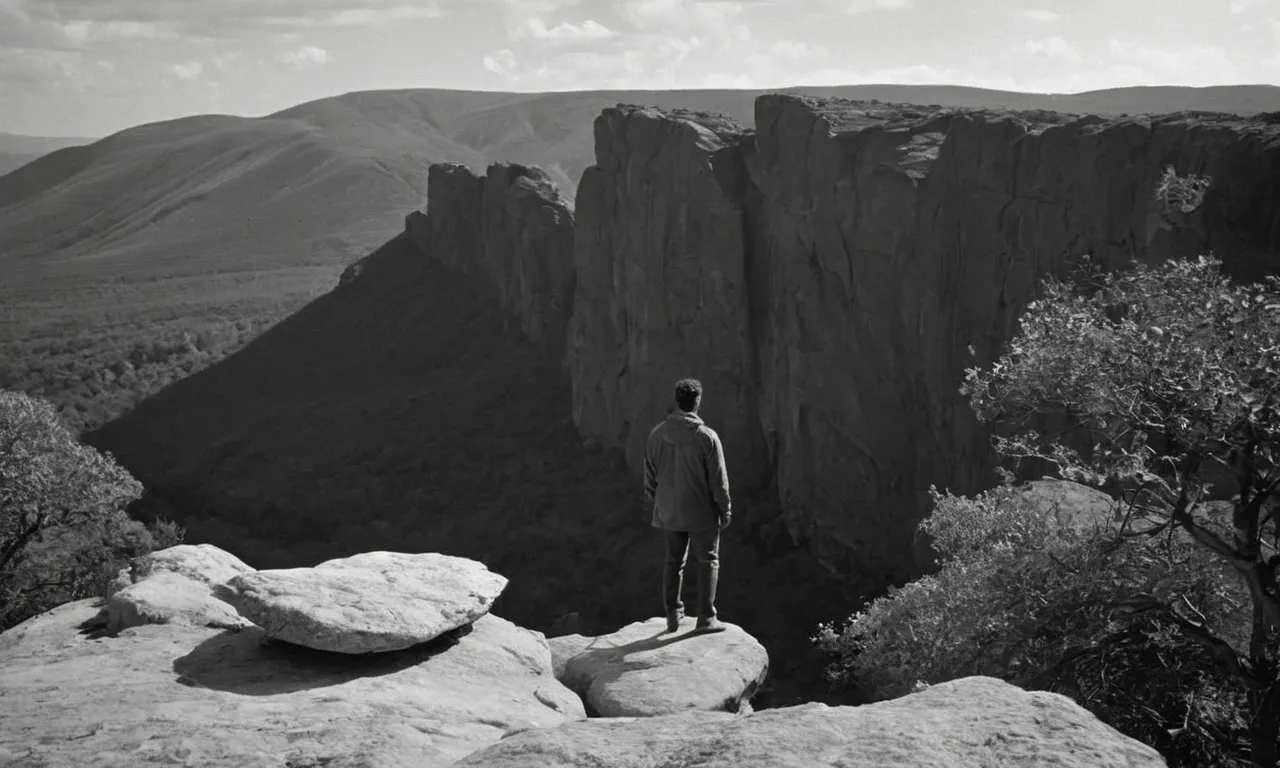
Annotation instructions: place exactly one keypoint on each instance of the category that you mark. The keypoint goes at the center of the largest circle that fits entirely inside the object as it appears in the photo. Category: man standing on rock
(687, 487)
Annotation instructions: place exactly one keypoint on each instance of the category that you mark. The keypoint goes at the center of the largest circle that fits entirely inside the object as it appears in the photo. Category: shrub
(1045, 600)
(63, 528)
(1168, 625)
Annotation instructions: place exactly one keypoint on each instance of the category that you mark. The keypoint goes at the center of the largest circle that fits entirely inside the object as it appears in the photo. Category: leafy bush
(1172, 373)
(63, 529)
(1044, 599)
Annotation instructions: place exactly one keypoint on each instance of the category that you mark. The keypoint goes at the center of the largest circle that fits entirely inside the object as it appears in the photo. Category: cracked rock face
(368, 603)
(178, 694)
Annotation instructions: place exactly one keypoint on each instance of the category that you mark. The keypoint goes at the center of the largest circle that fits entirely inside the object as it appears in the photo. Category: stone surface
(642, 671)
(976, 722)
(831, 276)
(565, 647)
(175, 586)
(204, 563)
(182, 695)
(166, 597)
(367, 603)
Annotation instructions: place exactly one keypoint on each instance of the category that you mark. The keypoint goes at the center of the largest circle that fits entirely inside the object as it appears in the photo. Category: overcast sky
(91, 67)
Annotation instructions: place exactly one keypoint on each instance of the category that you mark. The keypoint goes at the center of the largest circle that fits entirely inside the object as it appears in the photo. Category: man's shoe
(673, 621)
(707, 626)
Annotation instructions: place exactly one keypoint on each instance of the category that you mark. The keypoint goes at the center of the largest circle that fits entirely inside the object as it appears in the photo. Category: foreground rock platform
(373, 602)
(976, 722)
(176, 694)
(643, 671)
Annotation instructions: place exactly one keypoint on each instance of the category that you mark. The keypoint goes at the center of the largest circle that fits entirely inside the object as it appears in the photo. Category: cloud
(564, 33)
(304, 57)
(1186, 65)
(92, 31)
(1040, 16)
(77, 22)
(188, 70)
(502, 62)
(798, 50)
(857, 7)
(1053, 48)
(224, 61)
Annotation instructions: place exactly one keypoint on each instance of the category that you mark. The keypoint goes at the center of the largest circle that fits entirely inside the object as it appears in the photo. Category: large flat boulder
(642, 670)
(373, 602)
(976, 722)
(182, 695)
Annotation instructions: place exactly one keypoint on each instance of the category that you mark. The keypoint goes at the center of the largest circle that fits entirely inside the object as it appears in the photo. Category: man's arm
(650, 477)
(718, 479)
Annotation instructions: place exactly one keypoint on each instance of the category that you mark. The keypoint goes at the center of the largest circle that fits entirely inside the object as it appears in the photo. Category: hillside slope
(17, 150)
(402, 411)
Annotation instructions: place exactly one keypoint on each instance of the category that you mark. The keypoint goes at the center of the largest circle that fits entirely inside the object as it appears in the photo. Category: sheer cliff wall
(830, 274)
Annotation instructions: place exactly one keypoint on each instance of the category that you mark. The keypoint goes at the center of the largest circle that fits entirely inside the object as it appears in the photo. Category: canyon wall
(513, 228)
(830, 274)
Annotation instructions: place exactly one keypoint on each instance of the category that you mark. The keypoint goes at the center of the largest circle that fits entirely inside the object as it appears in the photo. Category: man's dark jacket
(685, 480)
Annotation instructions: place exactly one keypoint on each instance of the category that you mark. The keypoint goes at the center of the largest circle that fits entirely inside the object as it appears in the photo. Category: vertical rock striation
(511, 227)
(830, 276)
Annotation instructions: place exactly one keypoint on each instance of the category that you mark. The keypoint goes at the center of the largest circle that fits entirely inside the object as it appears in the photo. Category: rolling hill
(17, 150)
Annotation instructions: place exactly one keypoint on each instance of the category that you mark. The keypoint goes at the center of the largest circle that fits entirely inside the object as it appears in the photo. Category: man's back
(685, 475)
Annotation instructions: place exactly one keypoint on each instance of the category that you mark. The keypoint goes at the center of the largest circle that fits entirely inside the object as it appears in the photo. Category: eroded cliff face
(511, 226)
(662, 284)
(832, 274)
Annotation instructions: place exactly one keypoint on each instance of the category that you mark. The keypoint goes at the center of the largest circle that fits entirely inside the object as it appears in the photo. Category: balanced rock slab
(976, 722)
(373, 602)
(642, 670)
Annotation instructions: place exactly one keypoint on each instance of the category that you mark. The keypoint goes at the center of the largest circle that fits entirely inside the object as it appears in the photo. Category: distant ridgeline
(830, 275)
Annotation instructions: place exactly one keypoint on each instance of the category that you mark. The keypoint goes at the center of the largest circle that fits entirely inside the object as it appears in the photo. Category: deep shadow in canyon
(404, 411)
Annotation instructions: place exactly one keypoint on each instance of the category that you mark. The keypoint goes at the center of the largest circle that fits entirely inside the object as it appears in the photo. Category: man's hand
(724, 520)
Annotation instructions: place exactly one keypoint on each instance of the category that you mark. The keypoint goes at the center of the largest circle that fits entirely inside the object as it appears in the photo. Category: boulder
(565, 647)
(642, 671)
(368, 603)
(203, 563)
(183, 695)
(167, 597)
(976, 722)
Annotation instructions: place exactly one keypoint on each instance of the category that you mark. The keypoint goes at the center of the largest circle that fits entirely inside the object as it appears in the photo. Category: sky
(93, 67)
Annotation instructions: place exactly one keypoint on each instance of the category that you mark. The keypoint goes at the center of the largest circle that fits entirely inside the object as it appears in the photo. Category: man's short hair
(688, 393)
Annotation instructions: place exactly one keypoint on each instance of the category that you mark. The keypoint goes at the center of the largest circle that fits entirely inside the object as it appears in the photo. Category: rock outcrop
(514, 228)
(183, 695)
(642, 670)
(373, 602)
(970, 723)
(662, 284)
(831, 274)
(172, 690)
(175, 586)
